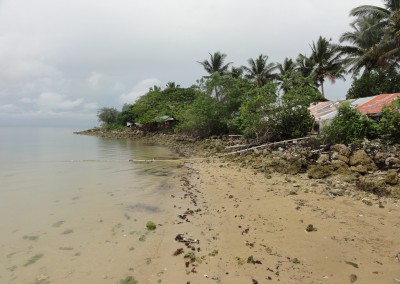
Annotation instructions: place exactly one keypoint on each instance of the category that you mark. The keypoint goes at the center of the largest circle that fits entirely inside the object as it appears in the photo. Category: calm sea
(63, 196)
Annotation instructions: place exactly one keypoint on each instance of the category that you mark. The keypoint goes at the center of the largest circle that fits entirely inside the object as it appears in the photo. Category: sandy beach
(230, 225)
(216, 223)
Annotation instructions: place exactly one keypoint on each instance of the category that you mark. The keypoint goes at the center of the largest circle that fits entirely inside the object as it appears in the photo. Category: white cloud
(95, 79)
(25, 100)
(54, 102)
(90, 107)
(138, 90)
(9, 109)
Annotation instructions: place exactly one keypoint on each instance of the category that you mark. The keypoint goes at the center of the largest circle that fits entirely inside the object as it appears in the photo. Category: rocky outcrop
(361, 158)
(319, 171)
(373, 166)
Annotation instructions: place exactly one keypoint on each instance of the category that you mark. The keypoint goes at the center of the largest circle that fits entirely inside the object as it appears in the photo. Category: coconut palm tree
(172, 85)
(361, 50)
(286, 70)
(155, 88)
(328, 62)
(259, 70)
(216, 64)
(388, 21)
(304, 65)
(236, 72)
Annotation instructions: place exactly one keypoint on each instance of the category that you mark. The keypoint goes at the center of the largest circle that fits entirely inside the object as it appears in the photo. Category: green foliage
(203, 118)
(327, 62)
(390, 120)
(114, 127)
(171, 101)
(301, 89)
(232, 92)
(108, 115)
(253, 111)
(126, 115)
(128, 280)
(350, 126)
(151, 226)
(375, 82)
(265, 118)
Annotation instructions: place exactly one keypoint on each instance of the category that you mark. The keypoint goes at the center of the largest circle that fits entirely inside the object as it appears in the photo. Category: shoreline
(232, 224)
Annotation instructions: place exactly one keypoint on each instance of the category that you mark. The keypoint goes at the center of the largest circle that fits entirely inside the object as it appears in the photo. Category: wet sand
(216, 223)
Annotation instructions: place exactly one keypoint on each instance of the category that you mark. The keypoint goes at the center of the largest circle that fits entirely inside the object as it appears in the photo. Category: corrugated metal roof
(322, 109)
(357, 102)
(368, 105)
(375, 104)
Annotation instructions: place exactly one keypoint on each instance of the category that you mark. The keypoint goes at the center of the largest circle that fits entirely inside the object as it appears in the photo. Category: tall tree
(304, 65)
(327, 60)
(259, 70)
(236, 72)
(216, 64)
(361, 50)
(388, 21)
(172, 85)
(286, 70)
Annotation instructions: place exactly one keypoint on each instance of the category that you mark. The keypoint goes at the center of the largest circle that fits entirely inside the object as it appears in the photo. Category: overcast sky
(61, 60)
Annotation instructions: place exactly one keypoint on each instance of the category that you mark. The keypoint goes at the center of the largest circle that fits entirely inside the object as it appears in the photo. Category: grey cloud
(102, 53)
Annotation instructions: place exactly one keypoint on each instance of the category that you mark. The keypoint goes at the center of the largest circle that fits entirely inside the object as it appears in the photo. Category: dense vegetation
(269, 101)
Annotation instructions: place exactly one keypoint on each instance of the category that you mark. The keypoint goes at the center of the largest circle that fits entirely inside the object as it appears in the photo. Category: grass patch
(142, 238)
(213, 253)
(191, 256)
(115, 228)
(128, 280)
(296, 260)
(151, 226)
(33, 259)
(31, 238)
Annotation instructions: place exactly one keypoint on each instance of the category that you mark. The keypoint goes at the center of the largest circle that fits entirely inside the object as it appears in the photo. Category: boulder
(392, 162)
(341, 149)
(374, 185)
(323, 159)
(276, 165)
(392, 177)
(340, 167)
(343, 158)
(319, 171)
(297, 166)
(337, 156)
(360, 157)
(359, 169)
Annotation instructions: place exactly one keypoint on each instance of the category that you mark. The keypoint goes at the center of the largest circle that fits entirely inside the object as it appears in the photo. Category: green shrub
(203, 118)
(267, 120)
(108, 115)
(151, 226)
(350, 126)
(390, 120)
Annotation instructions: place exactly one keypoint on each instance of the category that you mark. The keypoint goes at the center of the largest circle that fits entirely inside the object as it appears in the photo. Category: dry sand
(253, 230)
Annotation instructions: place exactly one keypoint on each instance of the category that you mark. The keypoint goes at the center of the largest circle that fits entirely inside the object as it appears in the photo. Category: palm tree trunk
(322, 89)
